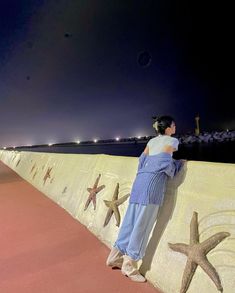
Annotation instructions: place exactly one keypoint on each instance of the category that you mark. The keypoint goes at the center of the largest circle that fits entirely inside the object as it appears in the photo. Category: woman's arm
(146, 150)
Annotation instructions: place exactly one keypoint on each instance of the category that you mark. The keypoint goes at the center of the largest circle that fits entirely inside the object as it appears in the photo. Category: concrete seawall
(206, 188)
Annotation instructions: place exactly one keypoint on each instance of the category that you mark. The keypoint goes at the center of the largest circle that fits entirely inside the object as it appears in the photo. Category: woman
(155, 166)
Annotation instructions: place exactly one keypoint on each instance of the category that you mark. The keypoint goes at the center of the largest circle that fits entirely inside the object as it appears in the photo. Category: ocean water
(223, 152)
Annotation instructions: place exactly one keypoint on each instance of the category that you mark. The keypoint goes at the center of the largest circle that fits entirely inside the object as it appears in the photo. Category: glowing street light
(117, 138)
(78, 141)
(50, 144)
(95, 140)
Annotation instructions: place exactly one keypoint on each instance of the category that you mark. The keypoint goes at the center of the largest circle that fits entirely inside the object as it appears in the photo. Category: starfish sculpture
(113, 206)
(47, 175)
(93, 191)
(35, 174)
(34, 166)
(196, 253)
(64, 191)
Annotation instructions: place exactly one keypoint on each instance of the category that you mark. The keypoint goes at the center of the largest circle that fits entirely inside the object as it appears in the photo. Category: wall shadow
(164, 215)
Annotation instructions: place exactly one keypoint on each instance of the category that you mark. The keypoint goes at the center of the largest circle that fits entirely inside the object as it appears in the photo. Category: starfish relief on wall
(64, 190)
(93, 192)
(196, 253)
(13, 158)
(113, 206)
(47, 175)
(34, 166)
(34, 175)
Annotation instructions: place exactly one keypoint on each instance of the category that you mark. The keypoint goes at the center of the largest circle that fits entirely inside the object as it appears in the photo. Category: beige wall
(207, 188)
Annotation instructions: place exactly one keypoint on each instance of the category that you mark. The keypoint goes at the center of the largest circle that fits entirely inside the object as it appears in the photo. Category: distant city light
(95, 140)
(78, 141)
(50, 144)
(4, 148)
(139, 136)
(117, 138)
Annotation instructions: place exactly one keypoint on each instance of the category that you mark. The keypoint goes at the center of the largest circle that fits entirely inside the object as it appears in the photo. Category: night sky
(80, 69)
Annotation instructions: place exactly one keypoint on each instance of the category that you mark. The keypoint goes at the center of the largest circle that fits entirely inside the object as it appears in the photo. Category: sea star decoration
(196, 253)
(113, 206)
(93, 191)
(35, 174)
(64, 191)
(34, 166)
(47, 175)
(14, 157)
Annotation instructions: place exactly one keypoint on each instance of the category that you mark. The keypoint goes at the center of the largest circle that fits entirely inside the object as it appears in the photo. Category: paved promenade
(45, 250)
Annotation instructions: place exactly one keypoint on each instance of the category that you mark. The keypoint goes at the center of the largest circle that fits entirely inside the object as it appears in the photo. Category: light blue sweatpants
(135, 229)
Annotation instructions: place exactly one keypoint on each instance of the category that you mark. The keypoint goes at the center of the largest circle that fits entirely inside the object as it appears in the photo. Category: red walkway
(44, 250)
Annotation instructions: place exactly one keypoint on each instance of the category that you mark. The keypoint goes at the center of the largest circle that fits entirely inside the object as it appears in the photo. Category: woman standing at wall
(156, 165)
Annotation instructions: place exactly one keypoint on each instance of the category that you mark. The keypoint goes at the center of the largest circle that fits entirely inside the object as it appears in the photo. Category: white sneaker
(129, 269)
(115, 258)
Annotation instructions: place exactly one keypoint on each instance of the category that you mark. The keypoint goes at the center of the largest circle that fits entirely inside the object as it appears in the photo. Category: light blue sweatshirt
(150, 182)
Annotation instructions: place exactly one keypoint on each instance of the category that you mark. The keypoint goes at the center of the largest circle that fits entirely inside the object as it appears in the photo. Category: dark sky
(70, 69)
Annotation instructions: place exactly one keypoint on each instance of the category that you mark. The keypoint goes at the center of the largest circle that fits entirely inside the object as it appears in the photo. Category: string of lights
(205, 137)
(88, 142)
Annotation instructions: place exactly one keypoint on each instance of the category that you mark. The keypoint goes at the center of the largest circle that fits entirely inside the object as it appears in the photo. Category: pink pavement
(44, 250)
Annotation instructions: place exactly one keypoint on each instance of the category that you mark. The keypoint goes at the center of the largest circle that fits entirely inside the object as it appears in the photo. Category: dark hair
(163, 122)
